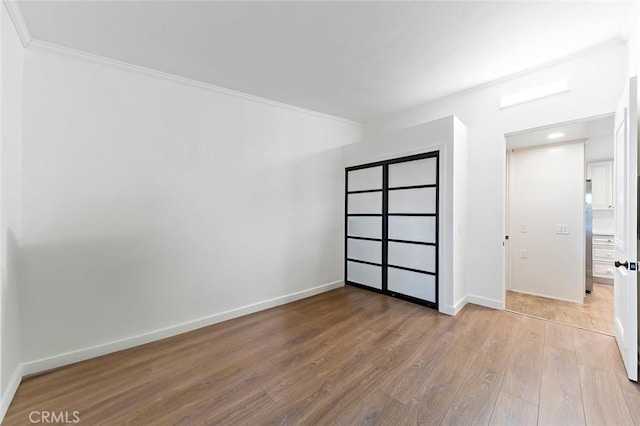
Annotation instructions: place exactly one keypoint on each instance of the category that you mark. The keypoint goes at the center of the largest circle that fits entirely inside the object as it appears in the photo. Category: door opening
(551, 257)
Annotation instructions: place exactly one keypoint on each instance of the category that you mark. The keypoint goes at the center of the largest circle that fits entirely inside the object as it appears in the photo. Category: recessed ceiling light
(534, 93)
(555, 135)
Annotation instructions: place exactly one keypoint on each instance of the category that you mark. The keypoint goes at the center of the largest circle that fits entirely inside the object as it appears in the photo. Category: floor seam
(558, 322)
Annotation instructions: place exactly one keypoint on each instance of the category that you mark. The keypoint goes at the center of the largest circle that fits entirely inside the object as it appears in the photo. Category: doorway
(560, 219)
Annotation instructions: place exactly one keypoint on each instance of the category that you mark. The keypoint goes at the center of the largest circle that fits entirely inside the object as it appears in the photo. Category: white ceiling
(357, 60)
(591, 128)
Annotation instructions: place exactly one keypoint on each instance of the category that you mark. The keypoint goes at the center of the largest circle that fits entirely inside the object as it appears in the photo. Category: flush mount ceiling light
(555, 135)
(534, 93)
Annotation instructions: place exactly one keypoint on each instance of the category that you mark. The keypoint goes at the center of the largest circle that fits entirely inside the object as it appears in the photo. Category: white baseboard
(453, 310)
(485, 301)
(67, 358)
(10, 392)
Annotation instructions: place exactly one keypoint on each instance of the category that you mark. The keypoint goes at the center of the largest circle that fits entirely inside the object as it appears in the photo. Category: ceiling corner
(13, 8)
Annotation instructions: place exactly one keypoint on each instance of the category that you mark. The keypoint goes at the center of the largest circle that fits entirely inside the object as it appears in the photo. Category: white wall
(460, 223)
(633, 49)
(596, 80)
(11, 51)
(546, 189)
(448, 136)
(152, 206)
(599, 148)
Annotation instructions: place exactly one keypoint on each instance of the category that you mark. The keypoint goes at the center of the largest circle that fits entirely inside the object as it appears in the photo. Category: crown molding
(13, 8)
(67, 51)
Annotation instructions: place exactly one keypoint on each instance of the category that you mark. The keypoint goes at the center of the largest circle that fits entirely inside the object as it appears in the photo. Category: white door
(626, 202)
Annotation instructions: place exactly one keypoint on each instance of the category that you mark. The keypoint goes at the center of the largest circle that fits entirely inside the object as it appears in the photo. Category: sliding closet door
(391, 240)
(364, 227)
(412, 262)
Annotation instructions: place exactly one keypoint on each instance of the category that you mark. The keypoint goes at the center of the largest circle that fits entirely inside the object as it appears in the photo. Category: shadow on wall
(10, 334)
(312, 223)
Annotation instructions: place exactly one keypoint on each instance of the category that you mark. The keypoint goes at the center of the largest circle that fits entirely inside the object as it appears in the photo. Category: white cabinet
(603, 255)
(601, 175)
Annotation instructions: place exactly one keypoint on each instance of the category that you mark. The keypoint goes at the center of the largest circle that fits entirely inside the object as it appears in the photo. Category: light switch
(562, 228)
(524, 253)
(523, 228)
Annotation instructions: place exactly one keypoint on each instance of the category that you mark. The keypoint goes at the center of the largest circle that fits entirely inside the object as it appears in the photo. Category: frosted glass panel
(363, 179)
(370, 227)
(411, 228)
(370, 251)
(413, 256)
(422, 200)
(413, 284)
(364, 274)
(418, 172)
(367, 202)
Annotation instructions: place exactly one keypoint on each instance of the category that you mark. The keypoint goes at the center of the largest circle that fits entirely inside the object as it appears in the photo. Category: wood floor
(350, 357)
(595, 314)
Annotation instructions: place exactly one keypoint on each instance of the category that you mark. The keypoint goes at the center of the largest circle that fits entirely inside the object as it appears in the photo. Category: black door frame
(385, 225)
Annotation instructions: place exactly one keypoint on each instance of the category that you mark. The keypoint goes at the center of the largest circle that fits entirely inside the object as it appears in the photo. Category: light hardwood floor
(350, 356)
(595, 314)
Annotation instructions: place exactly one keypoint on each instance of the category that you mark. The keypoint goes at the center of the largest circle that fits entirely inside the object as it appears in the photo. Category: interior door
(363, 260)
(626, 241)
(412, 214)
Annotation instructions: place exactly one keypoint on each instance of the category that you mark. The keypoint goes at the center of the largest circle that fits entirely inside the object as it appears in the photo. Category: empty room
(317, 212)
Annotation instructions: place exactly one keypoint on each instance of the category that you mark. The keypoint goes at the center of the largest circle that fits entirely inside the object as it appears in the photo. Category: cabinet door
(601, 175)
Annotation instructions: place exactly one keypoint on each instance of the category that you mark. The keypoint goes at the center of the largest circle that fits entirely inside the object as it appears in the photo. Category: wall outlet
(524, 253)
(562, 228)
